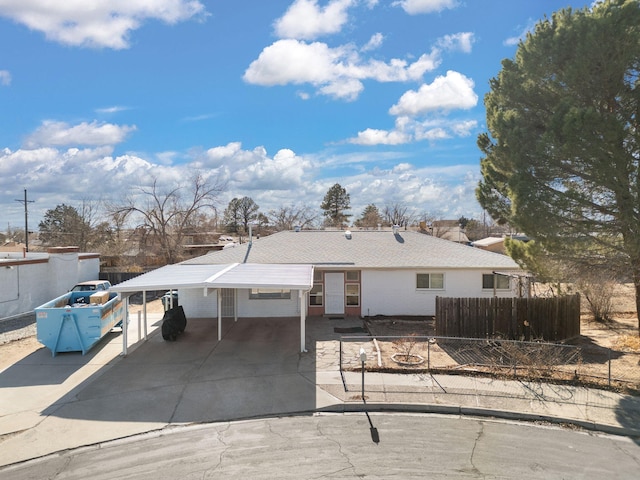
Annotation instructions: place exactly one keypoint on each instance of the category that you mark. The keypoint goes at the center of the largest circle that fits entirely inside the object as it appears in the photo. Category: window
(501, 281)
(352, 291)
(430, 280)
(353, 276)
(317, 275)
(315, 295)
(268, 293)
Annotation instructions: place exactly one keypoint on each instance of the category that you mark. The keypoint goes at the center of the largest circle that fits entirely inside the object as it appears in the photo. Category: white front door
(334, 293)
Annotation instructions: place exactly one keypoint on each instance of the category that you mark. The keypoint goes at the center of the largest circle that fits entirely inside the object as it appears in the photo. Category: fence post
(429, 353)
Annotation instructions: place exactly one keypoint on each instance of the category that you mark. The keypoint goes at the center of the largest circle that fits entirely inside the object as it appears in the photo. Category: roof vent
(347, 234)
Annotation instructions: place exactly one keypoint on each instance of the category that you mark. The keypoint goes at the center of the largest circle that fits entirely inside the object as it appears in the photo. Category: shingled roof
(361, 249)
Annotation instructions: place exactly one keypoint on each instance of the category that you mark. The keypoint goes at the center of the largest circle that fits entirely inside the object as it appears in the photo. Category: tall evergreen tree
(370, 218)
(334, 206)
(562, 152)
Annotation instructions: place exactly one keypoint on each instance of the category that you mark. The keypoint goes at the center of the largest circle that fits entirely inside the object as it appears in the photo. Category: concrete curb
(484, 412)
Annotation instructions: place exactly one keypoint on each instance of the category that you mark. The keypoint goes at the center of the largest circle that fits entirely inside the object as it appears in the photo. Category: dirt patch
(13, 352)
(607, 354)
(154, 306)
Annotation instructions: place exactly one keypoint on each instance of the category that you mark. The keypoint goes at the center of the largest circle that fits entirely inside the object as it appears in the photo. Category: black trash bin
(173, 323)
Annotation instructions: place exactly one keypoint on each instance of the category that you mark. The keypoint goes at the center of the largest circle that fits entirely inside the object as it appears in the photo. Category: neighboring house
(491, 244)
(14, 247)
(496, 244)
(449, 230)
(361, 273)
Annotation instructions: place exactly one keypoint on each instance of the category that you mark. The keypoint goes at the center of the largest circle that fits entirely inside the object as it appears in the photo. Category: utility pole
(26, 219)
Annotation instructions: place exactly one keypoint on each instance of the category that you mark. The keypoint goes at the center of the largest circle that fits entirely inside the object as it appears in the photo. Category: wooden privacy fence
(549, 319)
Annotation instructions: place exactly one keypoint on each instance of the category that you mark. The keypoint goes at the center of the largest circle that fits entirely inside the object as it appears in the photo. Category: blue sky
(280, 99)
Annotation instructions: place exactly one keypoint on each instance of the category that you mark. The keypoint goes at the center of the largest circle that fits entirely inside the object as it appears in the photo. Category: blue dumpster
(76, 321)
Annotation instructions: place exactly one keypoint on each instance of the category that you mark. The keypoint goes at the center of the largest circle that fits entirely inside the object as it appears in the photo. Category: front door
(334, 293)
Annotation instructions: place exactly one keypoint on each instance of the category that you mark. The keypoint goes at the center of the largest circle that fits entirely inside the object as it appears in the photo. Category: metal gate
(228, 302)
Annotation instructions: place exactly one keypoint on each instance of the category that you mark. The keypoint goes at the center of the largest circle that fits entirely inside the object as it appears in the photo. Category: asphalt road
(342, 447)
(17, 328)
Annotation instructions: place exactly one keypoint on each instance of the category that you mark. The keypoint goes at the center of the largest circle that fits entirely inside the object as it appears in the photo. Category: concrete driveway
(50, 404)
(54, 403)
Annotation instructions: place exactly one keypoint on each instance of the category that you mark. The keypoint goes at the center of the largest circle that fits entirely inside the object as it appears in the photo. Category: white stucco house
(331, 273)
(359, 273)
(367, 273)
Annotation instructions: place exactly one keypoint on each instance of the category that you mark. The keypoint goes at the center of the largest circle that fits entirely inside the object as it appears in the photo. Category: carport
(216, 277)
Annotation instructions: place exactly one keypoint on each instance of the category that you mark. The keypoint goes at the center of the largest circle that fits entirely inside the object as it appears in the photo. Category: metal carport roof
(235, 275)
(215, 276)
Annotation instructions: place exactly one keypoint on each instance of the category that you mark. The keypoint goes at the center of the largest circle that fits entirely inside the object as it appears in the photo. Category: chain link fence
(592, 366)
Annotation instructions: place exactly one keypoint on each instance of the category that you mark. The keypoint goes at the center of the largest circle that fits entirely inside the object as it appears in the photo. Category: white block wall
(268, 308)
(394, 292)
(196, 305)
(25, 286)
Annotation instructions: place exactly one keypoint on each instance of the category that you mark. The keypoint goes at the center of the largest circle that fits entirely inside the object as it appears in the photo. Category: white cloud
(284, 179)
(96, 23)
(5, 78)
(292, 61)
(464, 128)
(285, 171)
(453, 91)
(432, 134)
(306, 20)
(408, 130)
(52, 133)
(371, 136)
(337, 72)
(415, 7)
(421, 189)
(462, 41)
(198, 118)
(112, 109)
(374, 42)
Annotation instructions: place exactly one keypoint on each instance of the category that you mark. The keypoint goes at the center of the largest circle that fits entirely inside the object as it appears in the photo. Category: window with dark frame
(269, 294)
(352, 292)
(316, 295)
(501, 282)
(433, 281)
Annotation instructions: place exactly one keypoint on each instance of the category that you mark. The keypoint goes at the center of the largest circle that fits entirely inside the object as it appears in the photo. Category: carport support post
(125, 324)
(219, 295)
(144, 313)
(303, 320)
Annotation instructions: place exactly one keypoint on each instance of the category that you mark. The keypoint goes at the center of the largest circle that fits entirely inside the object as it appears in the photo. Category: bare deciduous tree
(288, 217)
(396, 214)
(165, 214)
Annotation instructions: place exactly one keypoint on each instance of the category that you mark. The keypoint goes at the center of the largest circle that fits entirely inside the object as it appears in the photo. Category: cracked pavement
(338, 446)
